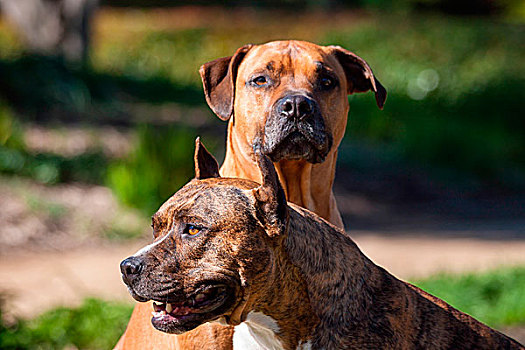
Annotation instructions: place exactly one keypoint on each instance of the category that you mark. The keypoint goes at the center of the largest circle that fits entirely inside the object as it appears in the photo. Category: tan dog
(232, 250)
(293, 96)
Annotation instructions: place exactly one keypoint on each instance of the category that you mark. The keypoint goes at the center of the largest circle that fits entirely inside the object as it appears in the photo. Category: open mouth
(180, 316)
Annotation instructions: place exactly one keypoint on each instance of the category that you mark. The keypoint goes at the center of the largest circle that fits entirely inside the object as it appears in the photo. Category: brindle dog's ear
(272, 208)
(359, 75)
(205, 164)
(218, 79)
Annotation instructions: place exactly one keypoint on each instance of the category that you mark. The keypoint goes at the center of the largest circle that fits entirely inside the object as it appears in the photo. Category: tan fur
(306, 184)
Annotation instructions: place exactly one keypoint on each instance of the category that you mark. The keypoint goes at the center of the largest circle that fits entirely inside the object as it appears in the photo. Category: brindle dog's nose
(297, 107)
(130, 268)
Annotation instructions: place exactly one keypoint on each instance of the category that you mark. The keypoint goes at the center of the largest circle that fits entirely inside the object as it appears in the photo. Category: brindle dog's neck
(283, 298)
(328, 295)
(305, 184)
(320, 284)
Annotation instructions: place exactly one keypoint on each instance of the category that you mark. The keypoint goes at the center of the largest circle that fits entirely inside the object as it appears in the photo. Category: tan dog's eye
(191, 230)
(327, 82)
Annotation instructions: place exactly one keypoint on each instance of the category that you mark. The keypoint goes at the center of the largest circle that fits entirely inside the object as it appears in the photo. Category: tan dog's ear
(205, 164)
(218, 79)
(359, 75)
(272, 208)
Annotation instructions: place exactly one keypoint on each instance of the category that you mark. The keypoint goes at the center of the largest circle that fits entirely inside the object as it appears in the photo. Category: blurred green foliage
(159, 53)
(50, 168)
(48, 89)
(454, 93)
(455, 85)
(159, 165)
(44, 167)
(95, 324)
(495, 297)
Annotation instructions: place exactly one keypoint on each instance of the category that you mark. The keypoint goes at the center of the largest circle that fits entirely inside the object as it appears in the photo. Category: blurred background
(100, 102)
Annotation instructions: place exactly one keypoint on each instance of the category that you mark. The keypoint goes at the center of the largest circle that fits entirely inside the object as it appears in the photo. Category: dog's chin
(182, 314)
(296, 146)
(136, 296)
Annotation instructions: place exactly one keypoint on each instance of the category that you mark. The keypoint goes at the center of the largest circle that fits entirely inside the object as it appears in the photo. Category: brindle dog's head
(294, 91)
(212, 246)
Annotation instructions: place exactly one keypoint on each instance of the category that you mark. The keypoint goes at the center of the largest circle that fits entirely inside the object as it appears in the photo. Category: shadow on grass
(52, 168)
(480, 135)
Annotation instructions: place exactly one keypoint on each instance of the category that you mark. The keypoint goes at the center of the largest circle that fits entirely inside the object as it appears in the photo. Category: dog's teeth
(169, 308)
(158, 303)
(200, 297)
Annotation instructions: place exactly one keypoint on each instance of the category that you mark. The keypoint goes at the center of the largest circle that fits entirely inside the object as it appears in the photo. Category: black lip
(177, 324)
(296, 145)
(136, 296)
(176, 298)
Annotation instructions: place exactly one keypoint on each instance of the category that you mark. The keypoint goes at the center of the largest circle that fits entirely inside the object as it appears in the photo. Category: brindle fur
(297, 268)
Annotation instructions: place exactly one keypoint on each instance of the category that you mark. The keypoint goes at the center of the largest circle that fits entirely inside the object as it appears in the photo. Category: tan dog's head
(212, 247)
(294, 91)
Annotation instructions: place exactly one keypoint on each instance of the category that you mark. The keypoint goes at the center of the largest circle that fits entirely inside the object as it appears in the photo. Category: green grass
(495, 298)
(94, 325)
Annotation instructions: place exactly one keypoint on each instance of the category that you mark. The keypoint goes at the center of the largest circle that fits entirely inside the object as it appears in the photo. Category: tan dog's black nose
(296, 107)
(130, 268)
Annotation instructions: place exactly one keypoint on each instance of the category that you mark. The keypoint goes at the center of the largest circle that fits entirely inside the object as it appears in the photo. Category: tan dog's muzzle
(295, 129)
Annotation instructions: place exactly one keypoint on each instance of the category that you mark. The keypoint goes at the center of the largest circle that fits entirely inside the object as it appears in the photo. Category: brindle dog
(235, 251)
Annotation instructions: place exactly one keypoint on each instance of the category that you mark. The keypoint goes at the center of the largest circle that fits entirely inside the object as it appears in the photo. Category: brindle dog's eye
(260, 80)
(191, 230)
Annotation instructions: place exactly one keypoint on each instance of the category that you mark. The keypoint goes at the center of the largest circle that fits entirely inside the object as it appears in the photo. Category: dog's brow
(270, 66)
(186, 204)
(321, 67)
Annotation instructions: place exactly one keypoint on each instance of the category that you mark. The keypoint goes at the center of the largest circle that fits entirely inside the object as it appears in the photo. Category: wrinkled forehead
(288, 56)
(207, 198)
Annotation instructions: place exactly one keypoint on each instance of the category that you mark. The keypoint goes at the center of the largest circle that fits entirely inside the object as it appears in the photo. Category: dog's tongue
(179, 310)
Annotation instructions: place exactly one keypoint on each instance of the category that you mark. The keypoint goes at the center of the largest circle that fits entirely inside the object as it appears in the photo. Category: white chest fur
(258, 332)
